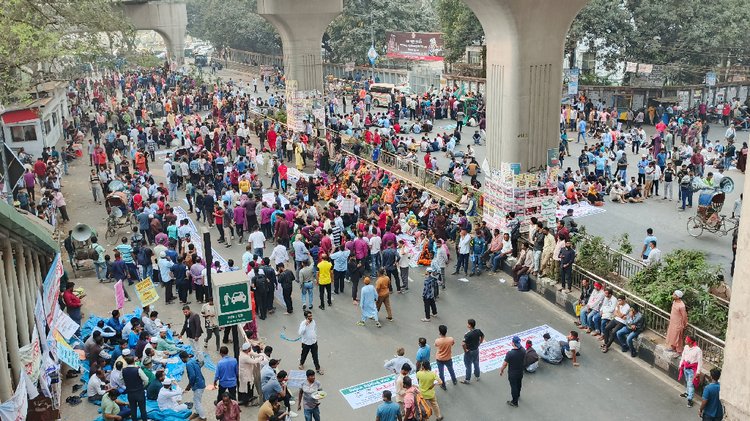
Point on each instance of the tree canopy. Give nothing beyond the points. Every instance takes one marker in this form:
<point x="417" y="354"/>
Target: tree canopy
<point x="351" y="32"/>
<point x="232" y="23"/>
<point x="460" y="27"/>
<point x="41" y="37"/>
<point x="688" y="37"/>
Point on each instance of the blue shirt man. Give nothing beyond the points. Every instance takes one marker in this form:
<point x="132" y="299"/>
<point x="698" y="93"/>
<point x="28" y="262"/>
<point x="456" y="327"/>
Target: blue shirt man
<point x="196" y="381"/>
<point x="339" y="259"/>
<point x="711" y="408"/>
<point x="423" y="353"/>
<point x="647" y="243"/>
<point x="388" y="410"/>
<point x="226" y="370"/>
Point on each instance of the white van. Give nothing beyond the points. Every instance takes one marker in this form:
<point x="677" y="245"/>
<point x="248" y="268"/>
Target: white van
<point x="381" y="93"/>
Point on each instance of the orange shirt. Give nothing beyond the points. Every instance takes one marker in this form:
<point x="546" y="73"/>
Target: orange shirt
<point x="381" y="286"/>
<point x="443" y="348"/>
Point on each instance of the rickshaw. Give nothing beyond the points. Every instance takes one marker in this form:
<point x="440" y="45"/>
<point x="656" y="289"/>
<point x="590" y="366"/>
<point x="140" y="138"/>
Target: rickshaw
<point x="710" y="202"/>
<point x="118" y="213"/>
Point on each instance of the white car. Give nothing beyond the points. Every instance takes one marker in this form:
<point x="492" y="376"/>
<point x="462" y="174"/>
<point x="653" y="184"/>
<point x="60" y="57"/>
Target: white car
<point x="239" y="297"/>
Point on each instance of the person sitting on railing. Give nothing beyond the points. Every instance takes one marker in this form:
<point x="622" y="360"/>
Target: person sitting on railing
<point x="613" y="326"/>
<point x="634" y="325"/>
<point x="590" y="310"/>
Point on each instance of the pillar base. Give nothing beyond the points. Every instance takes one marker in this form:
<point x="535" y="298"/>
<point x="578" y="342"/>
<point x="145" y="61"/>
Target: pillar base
<point x="733" y="413"/>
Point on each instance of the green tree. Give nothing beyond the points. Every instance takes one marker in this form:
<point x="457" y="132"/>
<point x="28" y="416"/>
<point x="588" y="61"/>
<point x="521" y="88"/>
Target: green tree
<point x="604" y="25"/>
<point x="232" y="23"/>
<point x="41" y="38"/>
<point x="460" y="27"/>
<point x="694" y="37"/>
<point x="352" y="32"/>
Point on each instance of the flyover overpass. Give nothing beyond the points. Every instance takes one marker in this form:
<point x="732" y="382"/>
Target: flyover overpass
<point x="167" y="18"/>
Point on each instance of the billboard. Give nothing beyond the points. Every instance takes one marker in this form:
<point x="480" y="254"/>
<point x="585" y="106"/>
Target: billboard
<point x="415" y="45"/>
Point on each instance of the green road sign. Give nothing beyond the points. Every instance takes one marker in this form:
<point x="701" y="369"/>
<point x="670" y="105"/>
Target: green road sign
<point x="233" y="298"/>
<point x="234" y="304"/>
<point x="235" y="318"/>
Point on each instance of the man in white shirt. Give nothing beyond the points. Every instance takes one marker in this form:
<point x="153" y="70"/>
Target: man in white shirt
<point x="654" y="256"/>
<point x="258" y="241"/>
<point x="96" y="387"/>
<point x="170" y="398"/>
<point x="505" y="251"/>
<point x="375" y="257"/>
<point x="464" y="242"/>
<point x="571" y="348"/>
<point x="309" y="339"/>
<point x="280" y="255"/>
<point x="606" y="312"/>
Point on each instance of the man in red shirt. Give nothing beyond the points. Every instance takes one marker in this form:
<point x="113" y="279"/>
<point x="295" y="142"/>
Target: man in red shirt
<point x="72" y="304"/>
<point x="271" y="139"/>
<point x="283" y="175"/>
<point x="40" y="169"/>
<point x="219" y="221"/>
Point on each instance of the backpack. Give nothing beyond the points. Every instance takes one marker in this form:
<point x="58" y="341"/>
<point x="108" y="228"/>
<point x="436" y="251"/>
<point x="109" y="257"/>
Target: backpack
<point x="422" y="409"/>
<point x="173" y="177"/>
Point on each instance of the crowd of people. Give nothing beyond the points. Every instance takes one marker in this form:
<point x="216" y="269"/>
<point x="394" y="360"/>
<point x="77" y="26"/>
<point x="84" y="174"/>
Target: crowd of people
<point x="611" y="144"/>
<point x="333" y="222"/>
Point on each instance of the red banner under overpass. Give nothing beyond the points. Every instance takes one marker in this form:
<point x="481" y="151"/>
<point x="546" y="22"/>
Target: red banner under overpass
<point x="426" y="46"/>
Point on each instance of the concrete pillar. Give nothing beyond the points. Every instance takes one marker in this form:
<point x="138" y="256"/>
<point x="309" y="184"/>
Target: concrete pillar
<point x="525" y="43"/>
<point x="24" y="280"/>
<point x="9" y="315"/>
<point x="301" y="25"/>
<point x="6" y="382"/>
<point x="735" y="388"/>
<point x="169" y="19"/>
<point x="14" y="293"/>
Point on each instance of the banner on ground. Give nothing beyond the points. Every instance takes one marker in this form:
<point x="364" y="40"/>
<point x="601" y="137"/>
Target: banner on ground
<point x="146" y="292"/>
<point x="52" y="288"/>
<point x="426" y="46"/>
<point x="491" y="357"/>
<point x="197" y="239"/>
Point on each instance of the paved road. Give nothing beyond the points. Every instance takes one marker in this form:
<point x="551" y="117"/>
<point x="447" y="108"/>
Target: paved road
<point x="352" y="354"/>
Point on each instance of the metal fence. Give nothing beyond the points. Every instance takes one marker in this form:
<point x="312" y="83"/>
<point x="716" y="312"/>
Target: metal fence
<point x="657" y="320"/>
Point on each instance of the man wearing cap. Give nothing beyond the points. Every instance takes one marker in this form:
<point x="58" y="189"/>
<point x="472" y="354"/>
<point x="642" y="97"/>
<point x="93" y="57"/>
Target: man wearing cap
<point x="164" y="344"/>
<point x="678" y="320"/>
<point x="170" y="398"/>
<point x="591" y="309"/>
<point x="197" y="383"/>
<point x="165" y="271"/>
<point x="514" y="362"/>
<point x="249" y="363"/>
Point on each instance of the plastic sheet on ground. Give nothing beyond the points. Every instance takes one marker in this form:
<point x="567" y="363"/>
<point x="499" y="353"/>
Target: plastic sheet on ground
<point x="156" y="414"/>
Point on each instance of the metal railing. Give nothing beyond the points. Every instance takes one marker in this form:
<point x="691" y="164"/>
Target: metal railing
<point x="444" y="186"/>
<point x="657" y="320"/>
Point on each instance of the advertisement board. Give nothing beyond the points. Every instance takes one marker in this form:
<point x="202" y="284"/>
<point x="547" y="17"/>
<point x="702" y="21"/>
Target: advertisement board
<point x="415" y="45"/>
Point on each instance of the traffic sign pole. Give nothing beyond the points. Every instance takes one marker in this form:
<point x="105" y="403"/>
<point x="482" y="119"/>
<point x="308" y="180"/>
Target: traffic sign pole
<point x="208" y="258"/>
